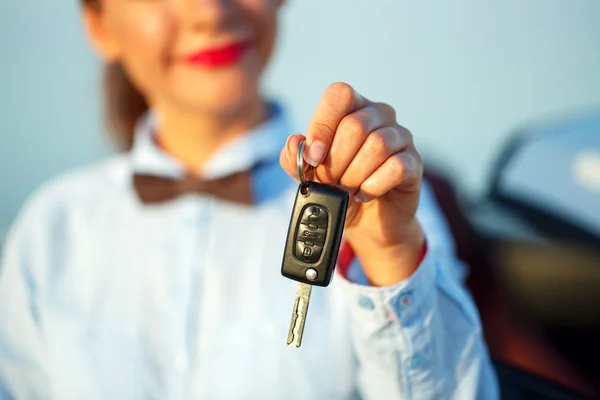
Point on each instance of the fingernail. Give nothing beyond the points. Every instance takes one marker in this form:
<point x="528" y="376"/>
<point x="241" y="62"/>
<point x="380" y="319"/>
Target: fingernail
<point x="359" y="198"/>
<point x="315" y="153"/>
<point x="362" y="198"/>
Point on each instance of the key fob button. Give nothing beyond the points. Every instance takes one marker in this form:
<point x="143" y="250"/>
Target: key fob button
<point x="308" y="254"/>
<point x="311" y="235"/>
<point x="314" y="215"/>
<point x="316" y="236"/>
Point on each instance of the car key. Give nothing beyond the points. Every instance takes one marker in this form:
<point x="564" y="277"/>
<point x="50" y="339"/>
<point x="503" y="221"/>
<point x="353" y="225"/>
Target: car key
<point x="313" y="242"/>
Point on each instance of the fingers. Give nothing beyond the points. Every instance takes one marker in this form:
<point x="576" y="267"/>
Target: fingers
<point x="376" y="149"/>
<point x="287" y="157"/>
<point x="350" y="135"/>
<point x="338" y="100"/>
<point x="385" y="161"/>
<point x="402" y="170"/>
<point x="356" y="145"/>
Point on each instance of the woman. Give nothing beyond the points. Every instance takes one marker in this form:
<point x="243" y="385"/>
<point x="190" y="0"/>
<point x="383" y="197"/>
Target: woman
<point x="155" y="274"/>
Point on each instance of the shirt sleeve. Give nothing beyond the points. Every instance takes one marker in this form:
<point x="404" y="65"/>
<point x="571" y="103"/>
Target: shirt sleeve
<point x="422" y="338"/>
<point x="23" y="356"/>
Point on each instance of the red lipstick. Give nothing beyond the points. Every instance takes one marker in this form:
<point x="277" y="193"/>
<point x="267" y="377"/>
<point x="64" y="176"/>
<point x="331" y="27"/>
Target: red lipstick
<point x="218" y="56"/>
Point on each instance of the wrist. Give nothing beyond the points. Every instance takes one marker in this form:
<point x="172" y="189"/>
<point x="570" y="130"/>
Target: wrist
<point x="386" y="264"/>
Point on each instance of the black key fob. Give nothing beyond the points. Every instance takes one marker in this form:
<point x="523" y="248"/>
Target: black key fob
<point x="315" y="233"/>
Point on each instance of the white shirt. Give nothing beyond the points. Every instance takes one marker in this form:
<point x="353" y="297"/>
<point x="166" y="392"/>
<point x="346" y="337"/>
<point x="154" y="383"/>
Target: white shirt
<point x="103" y="297"/>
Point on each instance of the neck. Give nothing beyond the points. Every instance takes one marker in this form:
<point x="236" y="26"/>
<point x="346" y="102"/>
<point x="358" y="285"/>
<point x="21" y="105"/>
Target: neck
<point x="193" y="137"/>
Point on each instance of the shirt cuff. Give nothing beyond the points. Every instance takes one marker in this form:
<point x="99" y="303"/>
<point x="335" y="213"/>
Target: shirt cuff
<point x="388" y="303"/>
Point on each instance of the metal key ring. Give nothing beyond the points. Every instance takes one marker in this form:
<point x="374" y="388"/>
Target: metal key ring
<point x="302" y="168"/>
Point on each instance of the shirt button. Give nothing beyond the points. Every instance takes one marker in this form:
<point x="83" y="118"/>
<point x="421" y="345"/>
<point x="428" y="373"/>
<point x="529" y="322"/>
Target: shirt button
<point x="366" y="303"/>
<point x="181" y="363"/>
<point x="416" y="361"/>
<point x="406" y="299"/>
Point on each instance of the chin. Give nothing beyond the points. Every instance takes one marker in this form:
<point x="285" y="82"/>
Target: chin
<point x="224" y="92"/>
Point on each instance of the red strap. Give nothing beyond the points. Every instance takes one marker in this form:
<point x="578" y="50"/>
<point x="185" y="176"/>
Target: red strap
<point x="345" y="257"/>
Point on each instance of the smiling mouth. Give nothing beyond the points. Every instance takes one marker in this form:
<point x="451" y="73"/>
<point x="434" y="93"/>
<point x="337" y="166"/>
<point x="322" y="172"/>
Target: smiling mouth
<point x="218" y="56"/>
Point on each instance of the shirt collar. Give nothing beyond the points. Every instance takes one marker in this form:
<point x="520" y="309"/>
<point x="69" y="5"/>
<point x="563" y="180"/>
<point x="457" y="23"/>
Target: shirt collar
<point x="261" y="144"/>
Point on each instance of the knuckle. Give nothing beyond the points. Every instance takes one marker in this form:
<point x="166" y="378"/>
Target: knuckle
<point x="387" y="110"/>
<point x="419" y="160"/>
<point x="417" y="175"/>
<point x="407" y="134"/>
<point x="398" y="168"/>
<point x="353" y="125"/>
<point x="340" y="93"/>
<point x="378" y="143"/>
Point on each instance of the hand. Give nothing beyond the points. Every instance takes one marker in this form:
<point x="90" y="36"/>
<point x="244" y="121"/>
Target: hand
<point x="357" y="145"/>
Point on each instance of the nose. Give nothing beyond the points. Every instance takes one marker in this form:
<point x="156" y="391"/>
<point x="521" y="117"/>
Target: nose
<point x="206" y="13"/>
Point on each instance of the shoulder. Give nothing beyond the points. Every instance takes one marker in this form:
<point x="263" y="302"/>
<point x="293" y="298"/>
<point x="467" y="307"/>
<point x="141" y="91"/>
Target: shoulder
<point x="107" y="176"/>
<point x="76" y="192"/>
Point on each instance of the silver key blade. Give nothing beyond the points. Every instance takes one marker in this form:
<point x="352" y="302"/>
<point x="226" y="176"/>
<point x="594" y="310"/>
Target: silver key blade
<point x="299" y="314"/>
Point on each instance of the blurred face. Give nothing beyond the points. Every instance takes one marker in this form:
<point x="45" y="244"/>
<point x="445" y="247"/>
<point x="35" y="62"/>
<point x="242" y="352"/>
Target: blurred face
<point x="198" y="55"/>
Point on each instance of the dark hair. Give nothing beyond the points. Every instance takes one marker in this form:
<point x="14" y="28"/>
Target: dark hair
<point x="123" y="103"/>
